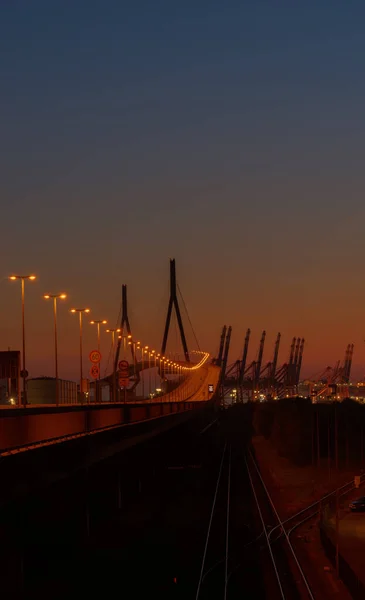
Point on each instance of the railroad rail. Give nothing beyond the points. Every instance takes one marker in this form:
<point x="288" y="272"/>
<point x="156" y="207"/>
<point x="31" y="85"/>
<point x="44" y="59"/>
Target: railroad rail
<point x="218" y="553"/>
<point x="276" y="563"/>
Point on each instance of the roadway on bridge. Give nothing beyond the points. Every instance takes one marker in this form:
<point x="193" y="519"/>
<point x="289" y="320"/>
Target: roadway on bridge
<point x="195" y="387"/>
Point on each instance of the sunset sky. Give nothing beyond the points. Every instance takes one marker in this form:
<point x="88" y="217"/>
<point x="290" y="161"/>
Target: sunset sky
<point x="229" y="136"/>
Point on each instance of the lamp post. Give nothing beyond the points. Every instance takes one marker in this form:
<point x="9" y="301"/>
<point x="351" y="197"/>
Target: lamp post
<point x="80" y="312"/>
<point x="154" y="374"/>
<point x="162" y="371"/>
<point x="150" y="354"/>
<point x="135" y="346"/>
<point x="113" y="332"/>
<point x="22" y="279"/>
<point x="98" y="322"/>
<point x="55" y="297"/>
<point x="144" y="351"/>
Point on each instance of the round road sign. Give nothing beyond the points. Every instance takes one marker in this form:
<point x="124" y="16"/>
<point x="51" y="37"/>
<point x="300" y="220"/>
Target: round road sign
<point x="95" y="356"/>
<point x="123" y="365"/>
<point x="94" y="371"/>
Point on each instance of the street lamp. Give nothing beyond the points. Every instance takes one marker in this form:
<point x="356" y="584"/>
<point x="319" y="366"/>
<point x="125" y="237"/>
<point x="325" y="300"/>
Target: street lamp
<point x="135" y="347"/>
<point x="98" y="322"/>
<point x="22" y="279"/>
<point x="55" y="297"/>
<point x="80" y="311"/>
<point x="113" y="332"/>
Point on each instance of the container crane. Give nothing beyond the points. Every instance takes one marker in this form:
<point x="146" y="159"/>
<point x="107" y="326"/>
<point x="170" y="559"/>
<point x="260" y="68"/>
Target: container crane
<point x="300" y="360"/>
<point x="259" y="361"/>
<point x="221" y="346"/>
<point x="243" y="362"/>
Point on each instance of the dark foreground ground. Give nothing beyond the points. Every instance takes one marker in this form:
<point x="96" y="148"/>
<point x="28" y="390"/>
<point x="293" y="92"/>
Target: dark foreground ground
<point x="136" y="524"/>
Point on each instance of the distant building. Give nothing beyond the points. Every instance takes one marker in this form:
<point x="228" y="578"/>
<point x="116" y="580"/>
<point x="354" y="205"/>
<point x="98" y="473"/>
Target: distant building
<point x="339" y="391"/>
<point x="9" y="376"/>
<point x="42" y="390"/>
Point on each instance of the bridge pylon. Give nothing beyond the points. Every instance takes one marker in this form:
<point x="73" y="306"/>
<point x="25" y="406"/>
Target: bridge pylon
<point x="173" y="302"/>
<point x="125" y="327"/>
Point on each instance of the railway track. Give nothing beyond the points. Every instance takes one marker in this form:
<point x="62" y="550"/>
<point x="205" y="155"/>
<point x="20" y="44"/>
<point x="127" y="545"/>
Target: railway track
<point x="291" y="581"/>
<point x="230" y="565"/>
<point x="233" y="555"/>
<point x="193" y="514"/>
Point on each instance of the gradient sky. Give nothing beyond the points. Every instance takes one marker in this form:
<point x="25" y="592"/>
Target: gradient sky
<point x="227" y="135"/>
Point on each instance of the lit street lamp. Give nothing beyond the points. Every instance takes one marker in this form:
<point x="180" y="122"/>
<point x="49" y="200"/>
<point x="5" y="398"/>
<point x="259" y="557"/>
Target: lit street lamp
<point x="55" y="297"/>
<point x="22" y="279"/>
<point x="98" y="322"/>
<point x="80" y="311"/>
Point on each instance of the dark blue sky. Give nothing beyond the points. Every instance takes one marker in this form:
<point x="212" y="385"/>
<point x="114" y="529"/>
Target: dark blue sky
<point x="227" y="135"/>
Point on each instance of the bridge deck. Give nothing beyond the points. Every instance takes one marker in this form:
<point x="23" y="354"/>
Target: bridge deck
<point x="22" y="428"/>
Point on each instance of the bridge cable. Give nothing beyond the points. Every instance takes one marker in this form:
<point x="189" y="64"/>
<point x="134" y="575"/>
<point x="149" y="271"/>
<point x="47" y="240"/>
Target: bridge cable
<point x="186" y="310"/>
<point x="176" y="346"/>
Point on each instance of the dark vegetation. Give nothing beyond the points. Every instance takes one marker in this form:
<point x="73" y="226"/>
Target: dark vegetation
<point x="306" y="433"/>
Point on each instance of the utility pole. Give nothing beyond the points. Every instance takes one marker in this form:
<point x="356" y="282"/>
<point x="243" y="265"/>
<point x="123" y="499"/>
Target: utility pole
<point x="318" y="446"/>
<point x="337" y="536"/>
<point x="225" y="359"/>
<point x="336" y="437"/>
<point x="329" y="445"/>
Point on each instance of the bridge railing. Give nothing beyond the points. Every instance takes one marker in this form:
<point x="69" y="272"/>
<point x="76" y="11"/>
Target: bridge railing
<point x="21" y="429"/>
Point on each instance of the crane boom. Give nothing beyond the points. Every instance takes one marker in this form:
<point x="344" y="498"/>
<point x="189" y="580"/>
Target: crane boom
<point x="221" y="345"/>
<point x="349" y="364"/>
<point x="225" y="354"/>
<point x="296" y="353"/>
<point x="292" y="351"/>
<point x="244" y="356"/>
<point x="275" y="359"/>
<point x="300" y="360"/>
<point x="259" y="360"/>
<point x="345" y="363"/>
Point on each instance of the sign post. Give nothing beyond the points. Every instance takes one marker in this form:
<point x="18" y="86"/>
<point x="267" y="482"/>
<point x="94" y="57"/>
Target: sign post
<point x="95" y="359"/>
<point x="123" y="376"/>
<point x="94" y="371"/>
<point x="95" y="356"/>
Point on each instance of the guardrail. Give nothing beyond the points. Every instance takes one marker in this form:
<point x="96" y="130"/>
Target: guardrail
<point x="21" y="428"/>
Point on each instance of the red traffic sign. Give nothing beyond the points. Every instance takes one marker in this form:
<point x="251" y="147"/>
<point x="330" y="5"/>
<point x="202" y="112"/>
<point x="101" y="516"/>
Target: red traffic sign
<point x="123" y="365"/>
<point x="94" y="371"/>
<point x="124" y="381"/>
<point x="95" y="356"/>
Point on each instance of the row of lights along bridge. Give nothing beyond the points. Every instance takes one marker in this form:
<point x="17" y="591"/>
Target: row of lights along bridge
<point x="146" y="352"/>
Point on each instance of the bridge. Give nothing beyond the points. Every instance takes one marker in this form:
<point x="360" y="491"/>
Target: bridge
<point x="107" y="480"/>
<point x="186" y="386"/>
